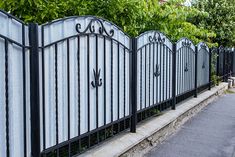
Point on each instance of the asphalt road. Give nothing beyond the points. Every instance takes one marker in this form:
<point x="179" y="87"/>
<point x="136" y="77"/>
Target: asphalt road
<point x="211" y="133"/>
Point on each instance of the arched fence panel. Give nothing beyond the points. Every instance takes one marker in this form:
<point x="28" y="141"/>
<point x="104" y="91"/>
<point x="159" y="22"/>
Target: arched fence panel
<point x="14" y="87"/>
<point x="185" y="68"/>
<point x="84" y="84"/>
<point x="203" y="61"/>
<point x="154" y="71"/>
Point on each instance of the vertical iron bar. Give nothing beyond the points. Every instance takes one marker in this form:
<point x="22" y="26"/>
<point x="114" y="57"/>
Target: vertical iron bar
<point x="210" y="55"/>
<point x="34" y="91"/>
<point x="134" y="86"/>
<point x="157" y="80"/>
<point x="43" y="91"/>
<point x="163" y="72"/>
<point x="181" y="70"/>
<point x="224" y="67"/>
<point x="104" y="80"/>
<point x="7" y="99"/>
<point x="68" y="89"/>
<point x="97" y="70"/>
<point x="173" y="76"/>
<point x="167" y="73"/>
<point x="141" y="70"/>
<point x="24" y="91"/>
<point x="112" y="81"/>
<point x="78" y="60"/>
<point x="149" y="72"/>
<point x="217" y="66"/>
<point x="88" y="82"/>
<point x="88" y="87"/>
<point x="153" y="69"/>
<point x="118" y="94"/>
<point x="145" y="69"/>
<point x="124" y="82"/>
<point x="190" y="69"/>
<point x="56" y="96"/>
<point x="196" y="63"/>
<point x="97" y="90"/>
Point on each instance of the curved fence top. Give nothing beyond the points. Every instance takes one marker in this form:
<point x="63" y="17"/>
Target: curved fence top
<point x="11" y="16"/>
<point x="81" y="25"/>
<point x="203" y="46"/>
<point x="153" y="37"/>
<point x="13" y="29"/>
<point x="185" y="42"/>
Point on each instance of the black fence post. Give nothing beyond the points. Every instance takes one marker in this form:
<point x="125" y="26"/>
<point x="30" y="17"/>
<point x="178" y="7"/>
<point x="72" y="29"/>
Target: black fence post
<point x="217" y="66"/>
<point x="196" y="53"/>
<point x="232" y="62"/>
<point x="173" y="76"/>
<point x="210" y="55"/>
<point x="224" y="66"/>
<point x="134" y="86"/>
<point x="34" y="90"/>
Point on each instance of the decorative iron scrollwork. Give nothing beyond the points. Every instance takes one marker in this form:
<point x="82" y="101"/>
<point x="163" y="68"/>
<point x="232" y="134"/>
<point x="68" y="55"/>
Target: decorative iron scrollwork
<point x="186" y="43"/>
<point x="203" y="65"/>
<point x="203" y="46"/>
<point x="98" y="80"/>
<point x="157" y="72"/>
<point x="156" y="38"/>
<point x="91" y="28"/>
<point x="186" y="67"/>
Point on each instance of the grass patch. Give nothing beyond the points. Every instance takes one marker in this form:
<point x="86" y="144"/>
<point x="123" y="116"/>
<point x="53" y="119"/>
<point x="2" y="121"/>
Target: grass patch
<point x="229" y="91"/>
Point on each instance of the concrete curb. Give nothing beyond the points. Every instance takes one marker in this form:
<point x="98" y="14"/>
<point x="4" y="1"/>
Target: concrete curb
<point x="154" y="131"/>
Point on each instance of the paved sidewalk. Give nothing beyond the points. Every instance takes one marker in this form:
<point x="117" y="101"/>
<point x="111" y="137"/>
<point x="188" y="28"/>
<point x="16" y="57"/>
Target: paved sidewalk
<point x="211" y="133"/>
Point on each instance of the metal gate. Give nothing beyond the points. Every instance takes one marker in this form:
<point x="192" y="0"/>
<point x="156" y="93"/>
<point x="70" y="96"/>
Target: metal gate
<point x="203" y="70"/>
<point x="84" y="84"/>
<point x="185" y="68"/>
<point x="154" y="72"/>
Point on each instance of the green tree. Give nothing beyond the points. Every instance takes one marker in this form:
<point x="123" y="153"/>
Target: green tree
<point x="133" y="16"/>
<point x="174" y="19"/>
<point x="220" y="19"/>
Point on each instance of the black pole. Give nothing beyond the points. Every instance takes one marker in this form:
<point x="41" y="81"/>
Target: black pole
<point x="232" y="62"/>
<point x="173" y="77"/>
<point x="224" y="66"/>
<point x="210" y="55"/>
<point x="217" y="66"/>
<point x="134" y="86"/>
<point x="196" y="53"/>
<point x="34" y="90"/>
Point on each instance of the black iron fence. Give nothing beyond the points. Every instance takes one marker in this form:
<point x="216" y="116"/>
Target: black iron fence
<point x="70" y="84"/>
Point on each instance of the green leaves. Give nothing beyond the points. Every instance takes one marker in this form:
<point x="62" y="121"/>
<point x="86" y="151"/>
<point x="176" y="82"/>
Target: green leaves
<point x="221" y="19"/>
<point x="133" y="16"/>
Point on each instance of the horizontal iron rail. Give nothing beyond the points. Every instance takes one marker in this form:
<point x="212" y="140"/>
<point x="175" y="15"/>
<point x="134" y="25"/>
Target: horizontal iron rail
<point x="14" y="42"/>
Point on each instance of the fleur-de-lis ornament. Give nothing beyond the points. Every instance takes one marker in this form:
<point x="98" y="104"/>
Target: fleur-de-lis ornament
<point x="186" y="68"/>
<point x="157" y="72"/>
<point x="98" y="80"/>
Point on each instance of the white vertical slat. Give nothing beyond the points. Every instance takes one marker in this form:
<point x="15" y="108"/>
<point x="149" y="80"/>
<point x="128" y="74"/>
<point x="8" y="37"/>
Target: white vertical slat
<point x="83" y="85"/>
<point x="2" y="99"/>
<point x="160" y="50"/>
<point x="101" y="89"/>
<point x="108" y="81"/>
<point x="73" y="84"/>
